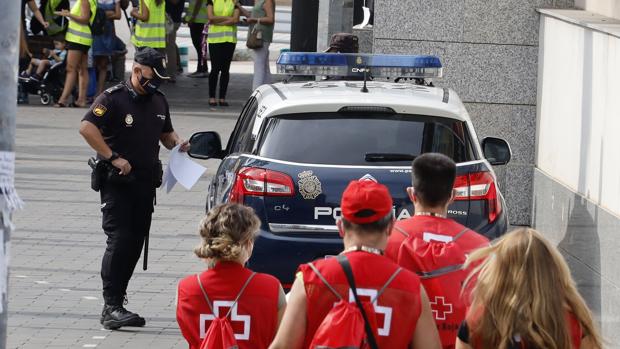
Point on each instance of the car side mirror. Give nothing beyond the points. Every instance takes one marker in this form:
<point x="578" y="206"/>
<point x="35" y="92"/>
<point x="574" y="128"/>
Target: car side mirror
<point x="496" y="150"/>
<point x="205" y="145"/>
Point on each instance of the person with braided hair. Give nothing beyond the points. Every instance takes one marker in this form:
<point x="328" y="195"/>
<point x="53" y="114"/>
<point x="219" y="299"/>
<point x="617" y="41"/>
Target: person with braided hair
<point x="227" y="240"/>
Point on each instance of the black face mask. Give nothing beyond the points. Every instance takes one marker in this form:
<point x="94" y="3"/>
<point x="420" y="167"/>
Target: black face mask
<point x="150" y="86"/>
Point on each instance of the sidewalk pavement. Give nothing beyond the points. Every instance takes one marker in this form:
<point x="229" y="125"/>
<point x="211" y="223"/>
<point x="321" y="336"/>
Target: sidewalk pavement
<point x="55" y="287"/>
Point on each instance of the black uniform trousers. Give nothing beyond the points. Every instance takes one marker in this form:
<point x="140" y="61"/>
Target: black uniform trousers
<point x="127" y="210"/>
<point x="221" y="56"/>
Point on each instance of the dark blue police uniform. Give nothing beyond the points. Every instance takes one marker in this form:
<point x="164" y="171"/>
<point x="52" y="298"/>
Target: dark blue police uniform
<point x="131" y="125"/>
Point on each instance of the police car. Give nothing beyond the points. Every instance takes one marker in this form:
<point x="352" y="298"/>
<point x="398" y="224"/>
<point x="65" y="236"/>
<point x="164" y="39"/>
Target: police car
<point x="296" y="146"/>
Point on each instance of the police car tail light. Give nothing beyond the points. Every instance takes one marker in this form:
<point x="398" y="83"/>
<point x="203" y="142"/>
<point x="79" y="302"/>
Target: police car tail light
<point x="252" y="181"/>
<point x="479" y="186"/>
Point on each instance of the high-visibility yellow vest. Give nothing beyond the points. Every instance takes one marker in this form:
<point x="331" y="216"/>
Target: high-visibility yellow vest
<point x="201" y="16"/>
<point x="151" y="33"/>
<point x="222" y="33"/>
<point x="77" y="32"/>
<point x="50" y="17"/>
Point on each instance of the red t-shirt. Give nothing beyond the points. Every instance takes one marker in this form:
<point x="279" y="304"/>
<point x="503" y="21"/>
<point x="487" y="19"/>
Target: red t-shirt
<point x="397" y="309"/>
<point x="418" y="225"/>
<point x="576" y="332"/>
<point x="255" y="320"/>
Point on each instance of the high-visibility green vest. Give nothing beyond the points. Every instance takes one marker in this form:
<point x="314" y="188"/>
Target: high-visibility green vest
<point x="222" y="33"/>
<point x="151" y="33"/>
<point x="50" y="17"/>
<point x="80" y="33"/>
<point x="201" y="16"/>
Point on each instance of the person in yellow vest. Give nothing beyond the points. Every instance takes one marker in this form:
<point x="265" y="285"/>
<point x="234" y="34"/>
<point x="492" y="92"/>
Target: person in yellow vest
<point x="222" y="39"/>
<point x="79" y="40"/>
<point x="150" y="29"/>
<point x="57" y="24"/>
<point x="196" y="18"/>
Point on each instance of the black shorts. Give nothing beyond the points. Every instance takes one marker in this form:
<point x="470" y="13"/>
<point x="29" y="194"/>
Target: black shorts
<point x="78" y="47"/>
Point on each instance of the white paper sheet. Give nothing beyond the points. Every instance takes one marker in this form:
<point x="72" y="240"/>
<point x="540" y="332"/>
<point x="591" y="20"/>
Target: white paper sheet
<point x="181" y="169"/>
<point x="9" y="200"/>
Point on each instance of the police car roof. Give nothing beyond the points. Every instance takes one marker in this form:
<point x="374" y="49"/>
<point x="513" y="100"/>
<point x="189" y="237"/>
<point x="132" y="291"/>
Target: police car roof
<point x="330" y="96"/>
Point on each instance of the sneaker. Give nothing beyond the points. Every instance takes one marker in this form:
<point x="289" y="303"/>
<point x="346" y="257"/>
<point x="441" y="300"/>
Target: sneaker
<point x="116" y="316"/>
<point x="198" y="74"/>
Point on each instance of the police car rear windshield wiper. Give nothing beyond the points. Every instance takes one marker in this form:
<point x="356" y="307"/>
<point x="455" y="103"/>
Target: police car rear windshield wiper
<point x="377" y="157"/>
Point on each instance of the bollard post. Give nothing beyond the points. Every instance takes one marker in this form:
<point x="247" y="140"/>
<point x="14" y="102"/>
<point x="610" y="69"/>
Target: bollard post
<point x="184" y="57"/>
<point x="9" y="201"/>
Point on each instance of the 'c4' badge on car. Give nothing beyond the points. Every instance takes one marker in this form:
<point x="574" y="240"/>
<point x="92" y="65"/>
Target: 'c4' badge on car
<point x="129" y="120"/>
<point x="309" y="185"/>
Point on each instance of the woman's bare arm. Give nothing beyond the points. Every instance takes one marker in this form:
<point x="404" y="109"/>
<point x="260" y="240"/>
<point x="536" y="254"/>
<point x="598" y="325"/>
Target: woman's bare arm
<point x="116" y="14"/>
<point x="142" y="13"/>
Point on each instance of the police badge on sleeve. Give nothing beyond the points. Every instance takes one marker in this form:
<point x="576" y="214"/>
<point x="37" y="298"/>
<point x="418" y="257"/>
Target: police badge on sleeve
<point x="309" y="185"/>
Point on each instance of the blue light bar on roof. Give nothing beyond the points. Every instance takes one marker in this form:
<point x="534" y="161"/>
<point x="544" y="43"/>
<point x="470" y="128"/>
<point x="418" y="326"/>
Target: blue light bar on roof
<point x="354" y="65"/>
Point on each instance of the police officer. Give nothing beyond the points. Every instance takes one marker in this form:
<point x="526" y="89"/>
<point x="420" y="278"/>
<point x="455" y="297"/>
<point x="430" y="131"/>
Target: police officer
<point x="124" y="126"/>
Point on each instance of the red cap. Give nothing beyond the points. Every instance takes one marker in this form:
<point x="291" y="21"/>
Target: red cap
<point x="365" y="201"/>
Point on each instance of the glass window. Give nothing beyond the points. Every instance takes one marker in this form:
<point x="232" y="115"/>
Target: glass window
<point x="332" y="138"/>
<point x="243" y="133"/>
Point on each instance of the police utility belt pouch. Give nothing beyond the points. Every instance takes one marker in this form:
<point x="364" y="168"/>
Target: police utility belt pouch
<point x="255" y="38"/>
<point x="346" y="267"/>
<point x="104" y="172"/>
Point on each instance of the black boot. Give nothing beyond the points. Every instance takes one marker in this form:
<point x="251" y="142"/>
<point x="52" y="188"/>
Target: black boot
<point x="116" y="316"/>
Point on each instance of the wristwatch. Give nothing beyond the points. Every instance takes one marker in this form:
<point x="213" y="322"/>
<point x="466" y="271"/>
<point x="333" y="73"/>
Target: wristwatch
<point x="114" y="156"/>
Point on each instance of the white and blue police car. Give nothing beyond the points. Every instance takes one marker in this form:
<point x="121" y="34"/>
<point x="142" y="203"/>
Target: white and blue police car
<point x="296" y="146"/>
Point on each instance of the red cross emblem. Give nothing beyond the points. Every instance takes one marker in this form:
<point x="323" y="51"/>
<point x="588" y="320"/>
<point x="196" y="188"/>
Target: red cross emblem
<point x="440" y="308"/>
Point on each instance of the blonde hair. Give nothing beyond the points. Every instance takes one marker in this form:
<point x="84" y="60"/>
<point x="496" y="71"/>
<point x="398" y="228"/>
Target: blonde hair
<point x="225" y="230"/>
<point x="524" y="287"/>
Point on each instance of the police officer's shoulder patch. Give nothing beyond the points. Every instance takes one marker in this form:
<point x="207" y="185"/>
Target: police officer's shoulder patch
<point x="114" y="88"/>
<point x="99" y="109"/>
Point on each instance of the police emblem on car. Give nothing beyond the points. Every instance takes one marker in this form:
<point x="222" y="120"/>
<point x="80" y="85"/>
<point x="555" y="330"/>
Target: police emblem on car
<point x="309" y="185"/>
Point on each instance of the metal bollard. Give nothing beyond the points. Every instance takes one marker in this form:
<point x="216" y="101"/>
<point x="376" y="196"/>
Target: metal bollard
<point x="184" y="56"/>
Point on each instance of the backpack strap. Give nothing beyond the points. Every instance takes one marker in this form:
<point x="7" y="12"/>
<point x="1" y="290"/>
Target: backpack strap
<point x="402" y="231"/>
<point x="438" y="272"/>
<point x="461" y="233"/>
<point x="239" y="295"/>
<point x="396" y="272"/>
<point x="204" y="293"/>
<point x="346" y="267"/>
<point x="318" y="273"/>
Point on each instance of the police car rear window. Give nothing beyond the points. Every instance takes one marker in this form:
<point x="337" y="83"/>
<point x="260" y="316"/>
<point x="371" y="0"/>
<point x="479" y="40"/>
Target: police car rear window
<point x="337" y="139"/>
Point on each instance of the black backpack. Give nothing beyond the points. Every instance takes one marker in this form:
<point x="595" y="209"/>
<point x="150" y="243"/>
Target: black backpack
<point x="97" y="27"/>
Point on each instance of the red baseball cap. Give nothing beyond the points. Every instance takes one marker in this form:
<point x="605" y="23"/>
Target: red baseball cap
<point x="365" y="201"/>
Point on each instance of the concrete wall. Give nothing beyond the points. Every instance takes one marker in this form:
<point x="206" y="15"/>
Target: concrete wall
<point x="579" y="110"/>
<point x="490" y="55"/>
<point x="577" y="177"/>
<point x="609" y="8"/>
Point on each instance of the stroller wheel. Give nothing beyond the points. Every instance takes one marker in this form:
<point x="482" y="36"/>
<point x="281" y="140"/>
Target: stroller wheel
<point x="46" y="98"/>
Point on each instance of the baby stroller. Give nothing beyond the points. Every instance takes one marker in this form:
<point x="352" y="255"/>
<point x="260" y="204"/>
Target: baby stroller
<point x="53" y="83"/>
<point x="49" y="88"/>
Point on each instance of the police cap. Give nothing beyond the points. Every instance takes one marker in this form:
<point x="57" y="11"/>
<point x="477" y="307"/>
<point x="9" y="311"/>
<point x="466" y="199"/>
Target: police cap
<point x="150" y="57"/>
